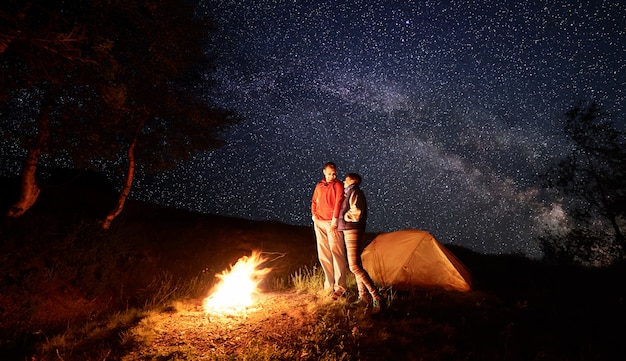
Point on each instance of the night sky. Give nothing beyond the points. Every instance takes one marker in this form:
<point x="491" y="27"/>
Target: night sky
<point x="449" y="112"/>
<point x="447" y="109"/>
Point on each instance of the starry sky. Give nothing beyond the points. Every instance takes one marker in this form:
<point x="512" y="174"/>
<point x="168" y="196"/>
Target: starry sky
<point x="449" y="110"/>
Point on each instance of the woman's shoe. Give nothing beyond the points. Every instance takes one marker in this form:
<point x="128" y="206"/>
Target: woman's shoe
<point x="359" y="303"/>
<point x="376" y="306"/>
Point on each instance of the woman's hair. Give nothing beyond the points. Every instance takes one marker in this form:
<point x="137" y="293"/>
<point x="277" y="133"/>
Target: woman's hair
<point x="355" y="177"/>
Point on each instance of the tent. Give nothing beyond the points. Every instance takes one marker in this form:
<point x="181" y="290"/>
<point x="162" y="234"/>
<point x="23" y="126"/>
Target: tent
<point x="413" y="257"/>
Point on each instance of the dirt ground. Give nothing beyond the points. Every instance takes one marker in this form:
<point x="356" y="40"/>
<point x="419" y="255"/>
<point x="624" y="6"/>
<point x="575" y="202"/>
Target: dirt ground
<point x="277" y="318"/>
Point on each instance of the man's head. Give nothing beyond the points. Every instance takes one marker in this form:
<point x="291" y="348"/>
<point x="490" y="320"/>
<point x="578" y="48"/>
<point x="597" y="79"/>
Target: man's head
<point x="330" y="172"/>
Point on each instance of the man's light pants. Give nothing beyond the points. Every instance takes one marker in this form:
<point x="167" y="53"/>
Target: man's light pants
<point x="331" y="252"/>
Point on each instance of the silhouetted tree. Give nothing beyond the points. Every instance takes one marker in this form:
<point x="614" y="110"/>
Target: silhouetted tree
<point x="590" y="180"/>
<point x="130" y="86"/>
<point x="44" y="53"/>
<point x="163" y="66"/>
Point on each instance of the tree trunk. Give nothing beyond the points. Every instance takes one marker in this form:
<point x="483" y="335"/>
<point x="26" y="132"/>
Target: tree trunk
<point x="106" y="224"/>
<point x="29" y="188"/>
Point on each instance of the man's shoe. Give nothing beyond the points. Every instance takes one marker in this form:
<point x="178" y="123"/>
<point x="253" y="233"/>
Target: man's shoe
<point x="335" y="295"/>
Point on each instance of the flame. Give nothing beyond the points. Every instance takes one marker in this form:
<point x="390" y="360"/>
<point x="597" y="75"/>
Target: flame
<point x="236" y="288"/>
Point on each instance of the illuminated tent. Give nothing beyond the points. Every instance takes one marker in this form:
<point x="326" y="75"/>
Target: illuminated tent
<point x="411" y="257"/>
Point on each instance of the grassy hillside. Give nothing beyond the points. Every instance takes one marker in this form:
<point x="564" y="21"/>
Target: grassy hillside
<point x="60" y="272"/>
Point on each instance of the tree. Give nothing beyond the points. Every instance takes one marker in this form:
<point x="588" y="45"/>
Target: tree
<point x="142" y="96"/>
<point x="591" y="182"/>
<point x="44" y="51"/>
<point x="164" y="70"/>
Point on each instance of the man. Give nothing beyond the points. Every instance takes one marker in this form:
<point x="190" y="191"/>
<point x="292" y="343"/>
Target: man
<point x="331" y="250"/>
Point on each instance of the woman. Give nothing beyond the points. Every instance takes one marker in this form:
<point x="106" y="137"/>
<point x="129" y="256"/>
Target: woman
<point x="352" y="220"/>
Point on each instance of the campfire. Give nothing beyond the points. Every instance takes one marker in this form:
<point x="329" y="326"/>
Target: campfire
<point x="235" y="290"/>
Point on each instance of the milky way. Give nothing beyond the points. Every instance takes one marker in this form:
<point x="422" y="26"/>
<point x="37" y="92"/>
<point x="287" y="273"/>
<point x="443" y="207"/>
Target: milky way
<point x="449" y="112"/>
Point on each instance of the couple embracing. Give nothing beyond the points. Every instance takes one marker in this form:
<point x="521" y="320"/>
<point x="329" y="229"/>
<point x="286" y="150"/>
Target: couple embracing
<point x="339" y="212"/>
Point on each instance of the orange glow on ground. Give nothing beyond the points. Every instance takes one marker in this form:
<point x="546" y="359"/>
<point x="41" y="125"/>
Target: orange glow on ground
<point x="235" y="291"/>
